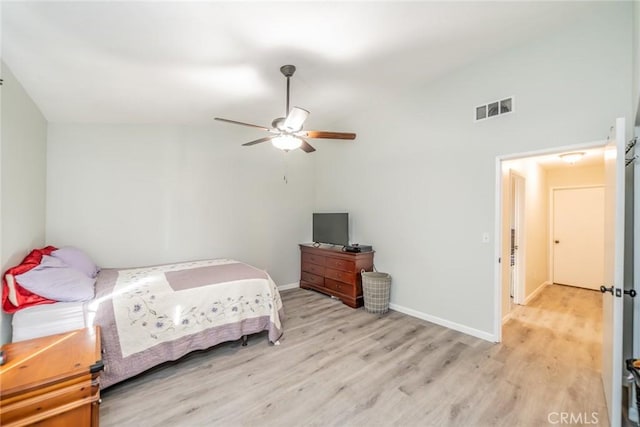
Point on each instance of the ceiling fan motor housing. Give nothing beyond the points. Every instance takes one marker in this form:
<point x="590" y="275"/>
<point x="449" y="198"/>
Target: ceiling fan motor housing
<point x="288" y="70"/>
<point x="278" y="123"/>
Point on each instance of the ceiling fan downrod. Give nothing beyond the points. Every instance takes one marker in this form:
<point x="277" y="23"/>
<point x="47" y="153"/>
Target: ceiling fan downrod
<point x="287" y="71"/>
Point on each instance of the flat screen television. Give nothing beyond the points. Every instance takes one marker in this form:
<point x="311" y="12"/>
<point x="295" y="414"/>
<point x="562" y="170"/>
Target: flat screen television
<point x="331" y="228"/>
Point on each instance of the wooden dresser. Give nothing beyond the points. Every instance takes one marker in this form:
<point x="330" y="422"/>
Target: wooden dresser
<point x="52" y="381"/>
<point x="329" y="270"/>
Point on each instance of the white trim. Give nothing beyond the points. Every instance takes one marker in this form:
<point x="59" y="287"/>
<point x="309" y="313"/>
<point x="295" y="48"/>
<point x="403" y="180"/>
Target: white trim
<point x="507" y="317"/>
<point x="497" y="250"/>
<point x="535" y="293"/>
<point x="287" y="286"/>
<point x="518" y="222"/>
<point x="553" y="150"/>
<point x="443" y="322"/>
<point x="633" y="411"/>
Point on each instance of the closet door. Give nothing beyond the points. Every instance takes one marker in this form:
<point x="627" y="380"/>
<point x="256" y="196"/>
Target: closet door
<point x="578" y="237"/>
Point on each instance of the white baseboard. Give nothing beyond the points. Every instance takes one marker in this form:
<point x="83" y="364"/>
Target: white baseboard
<point x="446" y="323"/>
<point x="286" y="286"/>
<point x="508" y="316"/>
<point x="536" y="292"/>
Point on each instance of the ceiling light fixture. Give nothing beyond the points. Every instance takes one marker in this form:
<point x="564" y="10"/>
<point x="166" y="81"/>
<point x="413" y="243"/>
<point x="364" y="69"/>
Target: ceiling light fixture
<point x="571" y="158"/>
<point x="286" y="142"/>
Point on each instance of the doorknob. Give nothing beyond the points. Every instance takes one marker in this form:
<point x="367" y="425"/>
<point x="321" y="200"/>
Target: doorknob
<point x="604" y="290"/>
<point x="557" y="241"/>
<point x="631" y="292"/>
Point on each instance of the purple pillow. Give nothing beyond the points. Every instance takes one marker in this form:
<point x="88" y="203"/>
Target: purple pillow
<point x="77" y="259"/>
<point x="55" y="280"/>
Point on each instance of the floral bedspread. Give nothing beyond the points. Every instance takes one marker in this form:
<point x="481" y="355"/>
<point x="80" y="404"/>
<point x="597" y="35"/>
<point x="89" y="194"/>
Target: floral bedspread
<point x="158" y="304"/>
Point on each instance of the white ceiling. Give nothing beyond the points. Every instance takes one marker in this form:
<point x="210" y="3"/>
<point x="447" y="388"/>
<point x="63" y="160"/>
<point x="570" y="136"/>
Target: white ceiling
<point x="180" y="62"/>
<point x="591" y="157"/>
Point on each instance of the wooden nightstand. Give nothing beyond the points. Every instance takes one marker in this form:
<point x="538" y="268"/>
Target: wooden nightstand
<point x="53" y="380"/>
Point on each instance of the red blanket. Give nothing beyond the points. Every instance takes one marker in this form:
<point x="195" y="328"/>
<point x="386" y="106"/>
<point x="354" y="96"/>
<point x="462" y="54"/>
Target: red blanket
<point x="23" y="296"/>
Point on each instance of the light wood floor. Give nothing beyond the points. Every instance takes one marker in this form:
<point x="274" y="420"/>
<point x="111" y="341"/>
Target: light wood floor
<point x="339" y="366"/>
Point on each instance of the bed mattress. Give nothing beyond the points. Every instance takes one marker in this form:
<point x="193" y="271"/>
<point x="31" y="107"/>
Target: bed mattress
<point x="48" y="319"/>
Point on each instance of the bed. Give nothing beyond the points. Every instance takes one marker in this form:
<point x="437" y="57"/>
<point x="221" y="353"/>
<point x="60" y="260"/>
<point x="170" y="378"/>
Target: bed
<point x="151" y="315"/>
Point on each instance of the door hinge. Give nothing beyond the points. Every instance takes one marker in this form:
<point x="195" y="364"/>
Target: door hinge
<point x="619" y="292"/>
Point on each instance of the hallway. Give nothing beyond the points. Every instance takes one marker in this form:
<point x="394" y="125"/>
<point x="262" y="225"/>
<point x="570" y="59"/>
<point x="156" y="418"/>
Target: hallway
<point x="559" y="334"/>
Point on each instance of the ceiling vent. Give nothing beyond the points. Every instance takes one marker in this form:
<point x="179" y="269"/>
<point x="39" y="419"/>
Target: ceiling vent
<point x="494" y="109"/>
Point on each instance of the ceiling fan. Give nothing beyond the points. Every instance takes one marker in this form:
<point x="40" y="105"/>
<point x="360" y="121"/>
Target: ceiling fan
<point x="287" y="131"/>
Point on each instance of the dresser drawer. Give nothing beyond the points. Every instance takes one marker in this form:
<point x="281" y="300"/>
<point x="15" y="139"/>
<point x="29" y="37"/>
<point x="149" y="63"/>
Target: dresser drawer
<point x="313" y="259"/>
<point x="50" y="402"/>
<point x="340" y="264"/>
<point x="340" y="287"/>
<point x="313" y="268"/>
<point x="312" y="278"/>
<point x="341" y="276"/>
<point x="331" y="271"/>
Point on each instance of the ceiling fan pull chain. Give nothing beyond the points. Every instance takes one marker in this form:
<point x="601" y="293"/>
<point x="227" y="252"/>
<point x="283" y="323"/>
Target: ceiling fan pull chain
<point x="285" y="167"/>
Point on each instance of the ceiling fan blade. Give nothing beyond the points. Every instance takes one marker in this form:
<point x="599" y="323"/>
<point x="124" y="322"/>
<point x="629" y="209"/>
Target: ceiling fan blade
<point x="306" y="147"/>
<point x="242" y="123"/>
<point x="328" y="135"/>
<point x="258" y="141"/>
<point x="295" y="119"/>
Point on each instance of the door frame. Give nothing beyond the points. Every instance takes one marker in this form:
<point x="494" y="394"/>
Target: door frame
<point x="517" y="185"/>
<point x="552" y="222"/>
<point x="498" y="220"/>
<point x="633" y="410"/>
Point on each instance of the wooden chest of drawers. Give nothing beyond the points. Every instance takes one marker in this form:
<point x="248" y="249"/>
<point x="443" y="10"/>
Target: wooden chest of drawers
<point x="331" y="271"/>
<point x="52" y="381"/>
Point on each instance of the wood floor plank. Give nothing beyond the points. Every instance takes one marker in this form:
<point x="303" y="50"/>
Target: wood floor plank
<point x="340" y="366"/>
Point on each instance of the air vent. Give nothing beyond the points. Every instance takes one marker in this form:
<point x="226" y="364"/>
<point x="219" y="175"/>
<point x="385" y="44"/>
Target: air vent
<point x="494" y="109"/>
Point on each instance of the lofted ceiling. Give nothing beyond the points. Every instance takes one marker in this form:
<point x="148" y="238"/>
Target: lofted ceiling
<point x="186" y="62"/>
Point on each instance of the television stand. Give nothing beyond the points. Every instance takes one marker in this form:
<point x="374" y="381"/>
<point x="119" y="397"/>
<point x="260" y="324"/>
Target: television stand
<point x="329" y="270"/>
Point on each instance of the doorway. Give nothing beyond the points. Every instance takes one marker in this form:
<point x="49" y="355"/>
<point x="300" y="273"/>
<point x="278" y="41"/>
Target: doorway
<point x="541" y="171"/>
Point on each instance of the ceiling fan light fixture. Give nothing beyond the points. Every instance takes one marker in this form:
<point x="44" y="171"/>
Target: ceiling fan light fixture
<point x="286" y="142"/>
<point x="572" y="158"/>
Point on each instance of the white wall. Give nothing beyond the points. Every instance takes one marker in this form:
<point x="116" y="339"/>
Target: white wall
<point x="145" y="194"/>
<point x="535" y="237"/>
<point x="419" y="181"/>
<point x="576" y="176"/>
<point x="22" y="178"/>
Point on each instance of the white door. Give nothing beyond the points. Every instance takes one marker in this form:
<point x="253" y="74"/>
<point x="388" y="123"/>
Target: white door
<point x="613" y="272"/>
<point x="578" y="237"/>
